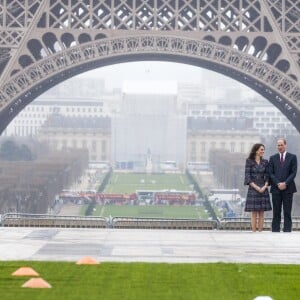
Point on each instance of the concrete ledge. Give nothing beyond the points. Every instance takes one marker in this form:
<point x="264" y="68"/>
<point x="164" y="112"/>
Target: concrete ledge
<point x="137" y="245"/>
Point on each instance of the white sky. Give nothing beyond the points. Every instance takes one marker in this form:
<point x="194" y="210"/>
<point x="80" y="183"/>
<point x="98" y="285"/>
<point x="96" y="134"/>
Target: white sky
<point x="115" y="75"/>
<point x="146" y="87"/>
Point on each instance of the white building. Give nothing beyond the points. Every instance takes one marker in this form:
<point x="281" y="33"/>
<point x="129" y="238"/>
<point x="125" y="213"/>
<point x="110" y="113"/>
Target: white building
<point x="201" y="142"/>
<point x="33" y="116"/>
<point x="265" y="118"/>
<point x="69" y="132"/>
<point x="268" y="120"/>
<point x="149" y="123"/>
<point x="77" y="97"/>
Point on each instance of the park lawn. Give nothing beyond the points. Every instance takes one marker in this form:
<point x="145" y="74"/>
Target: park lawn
<point x="130" y="281"/>
<point x="150" y="211"/>
<point x="126" y="183"/>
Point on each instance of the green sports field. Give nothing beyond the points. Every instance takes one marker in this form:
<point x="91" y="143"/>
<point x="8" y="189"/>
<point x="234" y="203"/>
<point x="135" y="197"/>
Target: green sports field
<point x="148" y="281"/>
<point x="126" y="183"/>
<point x="151" y="211"/>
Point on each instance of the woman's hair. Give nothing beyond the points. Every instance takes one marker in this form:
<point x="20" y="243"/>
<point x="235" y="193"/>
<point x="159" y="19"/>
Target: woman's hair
<point x="255" y="147"/>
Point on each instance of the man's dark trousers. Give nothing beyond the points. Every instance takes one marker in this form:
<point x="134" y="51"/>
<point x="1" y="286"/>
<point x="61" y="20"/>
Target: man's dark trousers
<point x="284" y="200"/>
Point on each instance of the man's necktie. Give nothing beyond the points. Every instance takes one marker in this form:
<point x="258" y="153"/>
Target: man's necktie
<point x="281" y="159"/>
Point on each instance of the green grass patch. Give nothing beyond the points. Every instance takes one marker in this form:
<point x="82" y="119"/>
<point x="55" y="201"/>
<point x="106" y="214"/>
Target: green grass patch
<point x="130" y="182"/>
<point x="130" y="281"/>
<point x="151" y="211"/>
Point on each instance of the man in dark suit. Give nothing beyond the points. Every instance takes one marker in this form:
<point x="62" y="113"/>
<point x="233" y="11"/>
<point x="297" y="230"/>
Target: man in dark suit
<point x="283" y="170"/>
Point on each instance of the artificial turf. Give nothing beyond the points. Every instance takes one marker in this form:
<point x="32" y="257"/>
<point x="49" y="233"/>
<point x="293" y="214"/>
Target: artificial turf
<point x="109" y="281"/>
<point x="150" y="211"/>
<point x="131" y="182"/>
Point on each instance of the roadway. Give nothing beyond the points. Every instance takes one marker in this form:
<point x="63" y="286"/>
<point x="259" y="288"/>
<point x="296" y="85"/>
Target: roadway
<point x="137" y="245"/>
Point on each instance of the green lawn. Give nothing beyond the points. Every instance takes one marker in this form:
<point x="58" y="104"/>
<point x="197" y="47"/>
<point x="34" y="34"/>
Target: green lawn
<point x="151" y="211"/>
<point x="130" y="281"/>
<point x="130" y="182"/>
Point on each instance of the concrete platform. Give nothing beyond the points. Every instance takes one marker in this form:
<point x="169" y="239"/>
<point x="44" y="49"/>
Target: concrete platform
<point x="134" y="245"/>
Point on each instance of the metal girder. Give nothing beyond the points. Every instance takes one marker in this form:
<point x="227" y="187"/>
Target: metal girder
<point x="44" y="42"/>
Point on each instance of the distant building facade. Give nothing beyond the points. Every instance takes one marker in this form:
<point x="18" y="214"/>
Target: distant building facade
<point x="267" y="120"/>
<point x="33" y="117"/>
<point x="71" y="98"/>
<point x="149" y="123"/>
<point x="172" y="123"/>
<point x="91" y="133"/>
<point x="200" y="143"/>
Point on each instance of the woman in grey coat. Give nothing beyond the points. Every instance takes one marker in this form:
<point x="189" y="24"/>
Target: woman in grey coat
<point x="257" y="177"/>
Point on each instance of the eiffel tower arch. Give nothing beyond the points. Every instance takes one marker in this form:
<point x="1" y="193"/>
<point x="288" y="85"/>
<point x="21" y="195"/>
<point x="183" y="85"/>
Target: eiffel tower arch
<point x="44" y="42"/>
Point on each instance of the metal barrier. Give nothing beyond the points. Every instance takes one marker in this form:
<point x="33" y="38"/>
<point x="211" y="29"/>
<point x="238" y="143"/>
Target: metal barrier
<point x="157" y="223"/>
<point x="41" y="220"/>
<point x="245" y="224"/>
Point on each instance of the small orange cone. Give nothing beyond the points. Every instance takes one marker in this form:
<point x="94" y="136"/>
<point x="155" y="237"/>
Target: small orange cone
<point x="37" y="283"/>
<point x="25" y="271"/>
<point x="87" y="260"/>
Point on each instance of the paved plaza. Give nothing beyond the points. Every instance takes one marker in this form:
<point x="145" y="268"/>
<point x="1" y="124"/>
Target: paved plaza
<point x="134" y="245"/>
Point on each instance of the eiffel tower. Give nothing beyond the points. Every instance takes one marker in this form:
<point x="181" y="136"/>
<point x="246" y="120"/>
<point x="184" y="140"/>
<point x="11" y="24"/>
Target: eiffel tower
<point x="44" y="42"/>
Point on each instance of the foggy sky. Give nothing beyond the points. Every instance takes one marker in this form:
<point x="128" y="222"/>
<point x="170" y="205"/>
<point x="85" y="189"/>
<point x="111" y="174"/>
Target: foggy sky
<point x="115" y="75"/>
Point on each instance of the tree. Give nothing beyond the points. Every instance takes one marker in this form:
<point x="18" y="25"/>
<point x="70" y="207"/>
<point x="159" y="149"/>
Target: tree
<point x="10" y="151"/>
<point x="25" y="153"/>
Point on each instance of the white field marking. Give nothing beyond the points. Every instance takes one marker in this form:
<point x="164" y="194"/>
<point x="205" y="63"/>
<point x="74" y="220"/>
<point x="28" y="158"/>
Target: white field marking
<point x="181" y="179"/>
<point x="116" y="178"/>
<point x="198" y="213"/>
<point x="102" y="211"/>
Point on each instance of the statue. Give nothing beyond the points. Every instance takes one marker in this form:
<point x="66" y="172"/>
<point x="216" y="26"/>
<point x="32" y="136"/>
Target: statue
<point x="149" y="164"/>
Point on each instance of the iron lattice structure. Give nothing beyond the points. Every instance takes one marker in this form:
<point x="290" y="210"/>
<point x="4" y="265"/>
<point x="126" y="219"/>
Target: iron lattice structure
<point x="44" y="42"/>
